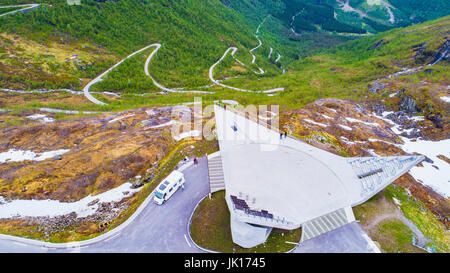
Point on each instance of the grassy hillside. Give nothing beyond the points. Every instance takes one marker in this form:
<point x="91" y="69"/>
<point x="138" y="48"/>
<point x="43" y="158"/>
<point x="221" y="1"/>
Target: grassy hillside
<point x="194" y="34"/>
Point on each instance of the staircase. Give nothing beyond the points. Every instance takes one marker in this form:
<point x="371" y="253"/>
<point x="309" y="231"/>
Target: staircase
<point x="215" y="171"/>
<point x="326" y="223"/>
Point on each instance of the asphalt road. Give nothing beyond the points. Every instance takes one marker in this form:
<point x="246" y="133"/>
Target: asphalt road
<point x="157" y="229"/>
<point x="350" y="238"/>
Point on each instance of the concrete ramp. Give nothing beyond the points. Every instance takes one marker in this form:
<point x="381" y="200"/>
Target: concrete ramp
<point x="326" y="223"/>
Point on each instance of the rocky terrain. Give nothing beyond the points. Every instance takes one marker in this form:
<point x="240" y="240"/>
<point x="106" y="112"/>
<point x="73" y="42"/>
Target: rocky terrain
<point x="103" y="152"/>
<point x="94" y="164"/>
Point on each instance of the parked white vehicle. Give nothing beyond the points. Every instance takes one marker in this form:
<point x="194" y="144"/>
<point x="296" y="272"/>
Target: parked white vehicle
<point x="168" y="187"/>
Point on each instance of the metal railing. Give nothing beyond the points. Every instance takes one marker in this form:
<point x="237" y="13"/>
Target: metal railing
<point x="267" y="220"/>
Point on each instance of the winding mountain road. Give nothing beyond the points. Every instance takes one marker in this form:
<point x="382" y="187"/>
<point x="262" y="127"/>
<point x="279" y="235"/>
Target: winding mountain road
<point x="147" y="63"/>
<point x="100" y="77"/>
<point x="211" y="76"/>
<point x="87" y="93"/>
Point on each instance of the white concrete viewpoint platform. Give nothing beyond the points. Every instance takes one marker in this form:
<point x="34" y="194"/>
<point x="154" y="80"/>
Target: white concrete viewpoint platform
<point x="284" y="183"/>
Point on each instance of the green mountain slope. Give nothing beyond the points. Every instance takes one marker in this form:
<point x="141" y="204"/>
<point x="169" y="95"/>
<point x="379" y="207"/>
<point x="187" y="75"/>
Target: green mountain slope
<point x="193" y="33"/>
<point x="346" y="16"/>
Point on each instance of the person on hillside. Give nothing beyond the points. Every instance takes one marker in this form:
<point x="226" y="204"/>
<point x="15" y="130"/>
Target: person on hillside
<point x="285" y="134"/>
<point x="281" y="135"/>
<point x="195" y="161"/>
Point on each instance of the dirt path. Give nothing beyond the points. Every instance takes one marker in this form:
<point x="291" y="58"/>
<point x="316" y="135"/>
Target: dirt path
<point x="395" y="213"/>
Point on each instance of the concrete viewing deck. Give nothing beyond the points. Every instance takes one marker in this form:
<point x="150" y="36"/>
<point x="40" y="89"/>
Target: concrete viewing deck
<point x="290" y="180"/>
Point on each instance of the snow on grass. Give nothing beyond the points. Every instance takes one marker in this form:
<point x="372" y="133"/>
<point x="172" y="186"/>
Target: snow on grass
<point x="379" y="140"/>
<point x="446" y="99"/>
<point x="327" y="117"/>
<point x="54" y="208"/>
<point x="345" y="127"/>
<point x="36" y="116"/>
<point x="119" y="118"/>
<point x="41" y="118"/>
<point x="417" y="118"/>
<point x="20" y="155"/>
<point x="164" y="124"/>
<point x="347" y="141"/>
<point x="371" y="152"/>
<point x="383" y="117"/>
<point x="315" y="123"/>
<point x="436" y="178"/>
<point x="150" y="112"/>
<point x="363" y="122"/>
<point x="193" y="133"/>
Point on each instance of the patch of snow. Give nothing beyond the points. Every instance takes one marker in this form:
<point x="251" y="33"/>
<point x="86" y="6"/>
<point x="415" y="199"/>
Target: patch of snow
<point x="347" y="141"/>
<point x="164" y="124"/>
<point x="41" y="118"/>
<point x="363" y="122"/>
<point x="446" y="99"/>
<point x="193" y="133"/>
<point x="345" y="127"/>
<point x="417" y="118"/>
<point x="327" y="117"/>
<point x="383" y="117"/>
<point x="371" y="152"/>
<point x="386" y="113"/>
<point x="36" y="116"/>
<point x="379" y="140"/>
<point x="119" y="118"/>
<point x="438" y="179"/>
<point x="397" y="202"/>
<point x="150" y="112"/>
<point x="54" y="208"/>
<point x="315" y="123"/>
<point x="20" y="155"/>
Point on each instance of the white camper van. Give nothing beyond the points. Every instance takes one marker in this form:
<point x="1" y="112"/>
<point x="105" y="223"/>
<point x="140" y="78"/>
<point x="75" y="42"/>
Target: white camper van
<point x="168" y="187"/>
